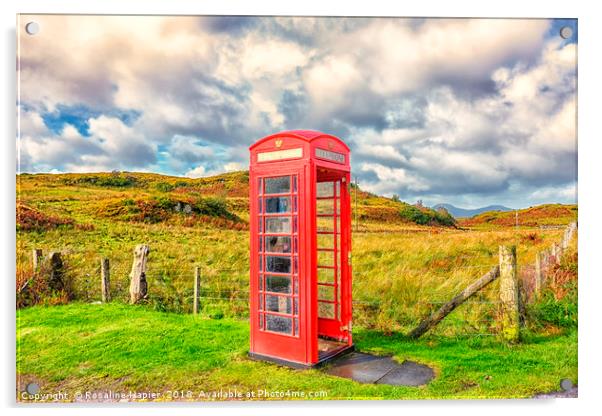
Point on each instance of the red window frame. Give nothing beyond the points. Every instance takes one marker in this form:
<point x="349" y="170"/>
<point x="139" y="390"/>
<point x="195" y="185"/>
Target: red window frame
<point x="293" y="254"/>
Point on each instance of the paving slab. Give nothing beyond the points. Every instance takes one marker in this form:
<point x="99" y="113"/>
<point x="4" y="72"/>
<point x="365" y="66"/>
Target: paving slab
<point x="408" y="373"/>
<point x="373" y="369"/>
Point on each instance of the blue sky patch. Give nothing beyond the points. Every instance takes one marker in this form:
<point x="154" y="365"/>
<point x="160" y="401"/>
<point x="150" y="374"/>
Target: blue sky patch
<point x="79" y="115"/>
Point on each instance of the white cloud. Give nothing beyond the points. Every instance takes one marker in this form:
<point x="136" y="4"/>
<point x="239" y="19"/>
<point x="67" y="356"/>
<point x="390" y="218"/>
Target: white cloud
<point x="189" y="149"/>
<point x="124" y="143"/>
<point x="111" y="145"/>
<point x="391" y="179"/>
<point x="197" y="172"/>
<point x="329" y="79"/>
<point x="554" y="194"/>
<point x="524" y="133"/>
<point x="30" y="123"/>
<point x="202" y="171"/>
<point x="233" y="166"/>
<point x="438" y="106"/>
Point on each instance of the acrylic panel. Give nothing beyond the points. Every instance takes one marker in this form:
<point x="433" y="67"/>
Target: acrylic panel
<point x="136" y="207"/>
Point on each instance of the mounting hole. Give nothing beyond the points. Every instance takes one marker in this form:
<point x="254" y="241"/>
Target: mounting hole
<point x="566" y="384"/>
<point x="566" y="32"/>
<point x="32" y="28"/>
<point x="32" y="388"/>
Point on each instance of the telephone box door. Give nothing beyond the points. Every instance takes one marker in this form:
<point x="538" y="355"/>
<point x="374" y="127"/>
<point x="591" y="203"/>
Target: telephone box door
<point x="333" y="255"/>
<point x="277" y="260"/>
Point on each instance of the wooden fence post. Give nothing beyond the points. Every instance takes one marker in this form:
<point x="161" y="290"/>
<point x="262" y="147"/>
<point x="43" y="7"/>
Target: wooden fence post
<point x="197" y="290"/>
<point x="547" y="253"/>
<point x="566" y="236"/>
<point x="539" y="276"/>
<point x="56" y="281"/>
<point x="36" y="258"/>
<point x="556" y="253"/>
<point x="509" y="295"/>
<point x="138" y="283"/>
<point x="105" y="280"/>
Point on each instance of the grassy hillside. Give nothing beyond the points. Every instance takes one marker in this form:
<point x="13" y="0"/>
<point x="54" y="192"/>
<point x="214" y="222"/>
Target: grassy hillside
<point x="97" y="348"/>
<point x="154" y="198"/>
<point x="541" y="215"/>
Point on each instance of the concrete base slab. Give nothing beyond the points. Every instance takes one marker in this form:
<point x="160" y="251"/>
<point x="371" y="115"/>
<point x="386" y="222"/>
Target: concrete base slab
<point x="372" y="369"/>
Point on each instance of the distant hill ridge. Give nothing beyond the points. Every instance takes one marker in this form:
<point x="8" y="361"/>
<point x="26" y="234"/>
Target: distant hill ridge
<point x="537" y="216"/>
<point x="222" y="201"/>
<point x="153" y="198"/>
<point x="466" y="213"/>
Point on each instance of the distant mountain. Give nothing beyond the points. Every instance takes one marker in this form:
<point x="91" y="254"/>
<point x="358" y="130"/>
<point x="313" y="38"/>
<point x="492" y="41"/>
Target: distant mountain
<point x="466" y="213"/>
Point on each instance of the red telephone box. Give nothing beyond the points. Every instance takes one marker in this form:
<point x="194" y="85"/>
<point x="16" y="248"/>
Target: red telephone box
<point x="300" y="266"/>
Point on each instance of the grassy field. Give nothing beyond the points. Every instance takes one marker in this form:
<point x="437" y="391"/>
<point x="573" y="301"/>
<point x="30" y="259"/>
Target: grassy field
<point x="402" y="269"/>
<point x="84" y="347"/>
<point x="407" y="260"/>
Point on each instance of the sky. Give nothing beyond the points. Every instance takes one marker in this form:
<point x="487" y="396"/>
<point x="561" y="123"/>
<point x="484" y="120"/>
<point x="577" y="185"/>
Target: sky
<point x="470" y="112"/>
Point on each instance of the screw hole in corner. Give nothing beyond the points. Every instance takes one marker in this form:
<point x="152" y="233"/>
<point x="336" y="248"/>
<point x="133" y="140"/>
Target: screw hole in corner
<point x="566" y="32"/>
<point x="566" y="384"/>
<point x="32" y="28"/>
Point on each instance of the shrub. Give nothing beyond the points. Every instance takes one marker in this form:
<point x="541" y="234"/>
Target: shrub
<point x="33" y="289"/>
<point x="187" y="209"/>
<point x="30" y="219"/>
<point x="164" y="187"/>
<point x="181" y="184"/>
<point x="558" y="303"/>
<point x="215" y="207"/>
<point x="115" y="179"/>
<point x="424" y="216"/>
<point x="562" y="313"/>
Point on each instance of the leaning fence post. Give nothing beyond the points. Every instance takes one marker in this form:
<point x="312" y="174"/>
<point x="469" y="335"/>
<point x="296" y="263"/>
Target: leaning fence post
<point x="457" y="300"/>
<point x="105" y="276"/>
<point x="138" y="284"/>
<point x="36" y="258"/>
<point x="509" y="296"/>
<point x="197" y="289"/>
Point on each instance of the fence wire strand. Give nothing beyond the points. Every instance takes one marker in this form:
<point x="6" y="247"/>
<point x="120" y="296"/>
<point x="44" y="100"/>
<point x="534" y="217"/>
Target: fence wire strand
<point x="171" y="287"/>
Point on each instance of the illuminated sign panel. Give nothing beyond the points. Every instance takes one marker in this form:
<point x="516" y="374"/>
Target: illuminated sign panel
<point x="280" y="155"/>
<point x="328" y="155"/>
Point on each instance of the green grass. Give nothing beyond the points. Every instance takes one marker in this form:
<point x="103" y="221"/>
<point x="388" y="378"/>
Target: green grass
<point x="80" y="347"/>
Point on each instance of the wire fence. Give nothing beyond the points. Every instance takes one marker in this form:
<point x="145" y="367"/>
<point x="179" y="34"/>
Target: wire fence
<point x="224" y="291"/>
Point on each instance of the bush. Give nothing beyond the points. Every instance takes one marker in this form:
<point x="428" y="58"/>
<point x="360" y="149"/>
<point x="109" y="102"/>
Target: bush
<point x="558" y="303"/>
<point x="33" y="289"/>
<point x="113" y="180"/>
<point x="164" y="187"/>
<point x="189" y="210"/>
<point x="29" y="219"/>
<point x="562" y="313"/>
<point x="425" y="216"/>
